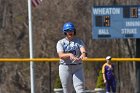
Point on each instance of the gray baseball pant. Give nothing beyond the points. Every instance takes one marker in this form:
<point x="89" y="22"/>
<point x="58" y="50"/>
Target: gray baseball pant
<point x="72" y="76"/>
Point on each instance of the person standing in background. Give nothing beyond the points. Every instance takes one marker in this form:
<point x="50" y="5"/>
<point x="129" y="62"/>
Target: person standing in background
<point x="109" y="76"/>
<point x="71" y="50"/>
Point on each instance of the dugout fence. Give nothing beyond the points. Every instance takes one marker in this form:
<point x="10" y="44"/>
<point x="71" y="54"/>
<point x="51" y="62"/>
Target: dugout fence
<point x="57" y="60"/>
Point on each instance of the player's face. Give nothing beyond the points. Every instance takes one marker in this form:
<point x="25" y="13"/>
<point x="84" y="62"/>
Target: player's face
<point x="108" y="61"/>
<point x="70" y="34"/>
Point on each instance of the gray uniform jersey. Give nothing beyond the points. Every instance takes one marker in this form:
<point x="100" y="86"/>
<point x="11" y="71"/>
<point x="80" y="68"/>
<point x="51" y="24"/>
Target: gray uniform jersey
<point x="73" y="46"/>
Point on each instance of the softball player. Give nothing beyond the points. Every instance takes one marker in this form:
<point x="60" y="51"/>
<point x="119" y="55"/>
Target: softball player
<point x="108" y="75"/>
<point x="71" y="51"/>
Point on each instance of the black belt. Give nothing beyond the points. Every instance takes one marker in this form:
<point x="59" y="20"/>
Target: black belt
<point x="70" y="63"/>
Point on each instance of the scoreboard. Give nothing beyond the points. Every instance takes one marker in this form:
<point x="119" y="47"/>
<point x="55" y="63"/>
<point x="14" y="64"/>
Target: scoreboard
<point x="115" y="22"/>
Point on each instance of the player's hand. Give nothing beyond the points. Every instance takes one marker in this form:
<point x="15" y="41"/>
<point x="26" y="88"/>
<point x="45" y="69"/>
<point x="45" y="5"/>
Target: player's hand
<point x="82" y="57"/>
<point x="73" y="58"/>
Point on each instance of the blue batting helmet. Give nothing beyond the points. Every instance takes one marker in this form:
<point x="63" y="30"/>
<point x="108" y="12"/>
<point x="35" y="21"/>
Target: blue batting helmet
<point x="68" y="26"/>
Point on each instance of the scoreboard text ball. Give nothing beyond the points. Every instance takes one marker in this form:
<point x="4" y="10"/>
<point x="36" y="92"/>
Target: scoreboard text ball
<point x="115" y="22"/>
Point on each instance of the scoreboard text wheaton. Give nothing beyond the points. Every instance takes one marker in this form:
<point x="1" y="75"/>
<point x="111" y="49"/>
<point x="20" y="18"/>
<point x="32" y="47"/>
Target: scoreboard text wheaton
<point x="115" y="22"/>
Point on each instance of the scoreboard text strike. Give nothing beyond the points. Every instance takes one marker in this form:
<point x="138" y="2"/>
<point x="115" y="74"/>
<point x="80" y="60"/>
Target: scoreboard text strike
<point x="116" y="22"/>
